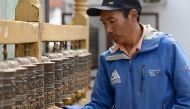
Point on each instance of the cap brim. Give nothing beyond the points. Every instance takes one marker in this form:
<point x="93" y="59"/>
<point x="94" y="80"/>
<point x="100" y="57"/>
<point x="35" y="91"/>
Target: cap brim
<point x="95" y="11"/>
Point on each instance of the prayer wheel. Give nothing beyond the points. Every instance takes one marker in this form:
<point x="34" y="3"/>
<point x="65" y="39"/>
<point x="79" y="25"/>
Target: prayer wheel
<point x="31" y="81"/>
<point x="84" y="64"/>
<point x="40" y="85"/>
<point x="77" y="90"/>
<point x="81" y="74"/>
<point x="88" y="66"/>
<point x="31" y="86"/>
<point x="58" y="81"/>
<point x="71" y="74"/>
<point x="49" y="82"/>
<point x="8" y="88"/>
<point x="58" y="59"/>
<point x="39" y="82"/>
<point x="20" y="84"/>
<point x="65" y="95"/>
<point x="20" y="88"/>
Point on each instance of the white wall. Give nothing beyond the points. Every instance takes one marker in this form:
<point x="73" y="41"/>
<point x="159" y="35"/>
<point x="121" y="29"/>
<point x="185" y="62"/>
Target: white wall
<point x="174" y="18"/>
<point x="95" y="21"/>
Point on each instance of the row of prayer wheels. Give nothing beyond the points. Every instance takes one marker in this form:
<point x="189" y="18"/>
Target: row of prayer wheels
<point x="60" y="79"/>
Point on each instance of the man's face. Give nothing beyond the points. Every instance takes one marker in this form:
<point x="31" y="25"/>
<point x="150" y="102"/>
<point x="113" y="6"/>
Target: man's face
<point x="116" y="25"/>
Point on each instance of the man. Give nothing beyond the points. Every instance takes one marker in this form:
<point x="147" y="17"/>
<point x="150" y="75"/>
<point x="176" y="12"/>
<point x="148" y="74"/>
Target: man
<point x="145" y="69"/>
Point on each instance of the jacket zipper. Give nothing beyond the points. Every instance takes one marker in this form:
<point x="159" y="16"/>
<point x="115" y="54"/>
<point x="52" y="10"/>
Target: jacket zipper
<point x="142" y="80"/>
<point x="132" y="84"/>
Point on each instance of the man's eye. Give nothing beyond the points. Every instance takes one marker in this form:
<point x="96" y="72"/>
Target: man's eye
<point x="112" y="21"/>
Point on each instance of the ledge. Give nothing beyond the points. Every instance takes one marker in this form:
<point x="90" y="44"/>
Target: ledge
<point x="13" y="32"/>
<point x="52" y="32"/>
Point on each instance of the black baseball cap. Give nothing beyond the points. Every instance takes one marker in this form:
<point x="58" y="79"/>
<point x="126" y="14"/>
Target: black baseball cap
<point x="115" y="5"/>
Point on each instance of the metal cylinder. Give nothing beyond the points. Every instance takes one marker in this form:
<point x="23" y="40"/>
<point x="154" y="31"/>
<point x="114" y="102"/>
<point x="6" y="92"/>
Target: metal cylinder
<point x="71" y="77"/>
<point x="85" y="71"/>
<point x="66" y="97"/>
<point x="31" y="81"/>
<point x="40" y="86"/>
<point x="71" y="74"/>
<point x="81" y="74"/>
<point x="20" y="84"/>
<point x="39" y="82"/>
<point x="20" y="88"/>
<point x="3" y="66"/>
<point x="31" y="86"/>
<point x="65" y="83"/>
<point x="88" y="62"/>
<point x="49" y="84"/>
<point x="58" y="81"/>
<point x="88" y="67"/>
<point x="8" y="88"/>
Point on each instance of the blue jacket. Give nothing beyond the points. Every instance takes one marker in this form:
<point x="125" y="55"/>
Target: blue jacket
<point x="157" y="77"/>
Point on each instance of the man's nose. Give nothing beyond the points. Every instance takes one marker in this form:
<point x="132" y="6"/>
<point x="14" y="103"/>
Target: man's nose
<point x="109" y="29"/>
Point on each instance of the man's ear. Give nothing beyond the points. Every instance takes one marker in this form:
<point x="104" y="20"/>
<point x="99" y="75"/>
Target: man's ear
<point x="133" y="15"/>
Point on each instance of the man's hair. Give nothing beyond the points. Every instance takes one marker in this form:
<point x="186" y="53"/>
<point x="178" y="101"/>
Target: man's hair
<point x="126" y="12"/>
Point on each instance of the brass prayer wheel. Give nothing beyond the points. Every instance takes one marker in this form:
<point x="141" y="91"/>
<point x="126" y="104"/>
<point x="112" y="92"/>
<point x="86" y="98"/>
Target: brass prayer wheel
<point x="31" y="86"/>
<point x="65" y="95"/>
<point x="71" y="77"/>
<point x="49" y="84"/>
<point x="8" y="88"/>
<point x="57" y="58"/>
<point x="70" y="69"/>
<point x="40" y="85"/>
<point x="74" y="60"/>
<point x="20" y="88"/>
<point x="39" y="82"/>
<point x="20" y="84"/>
<point x="58" y="81"/>
<point x="3" y="65"/>
<point x="31" y="81"/>
<point x="82" y="70"/>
